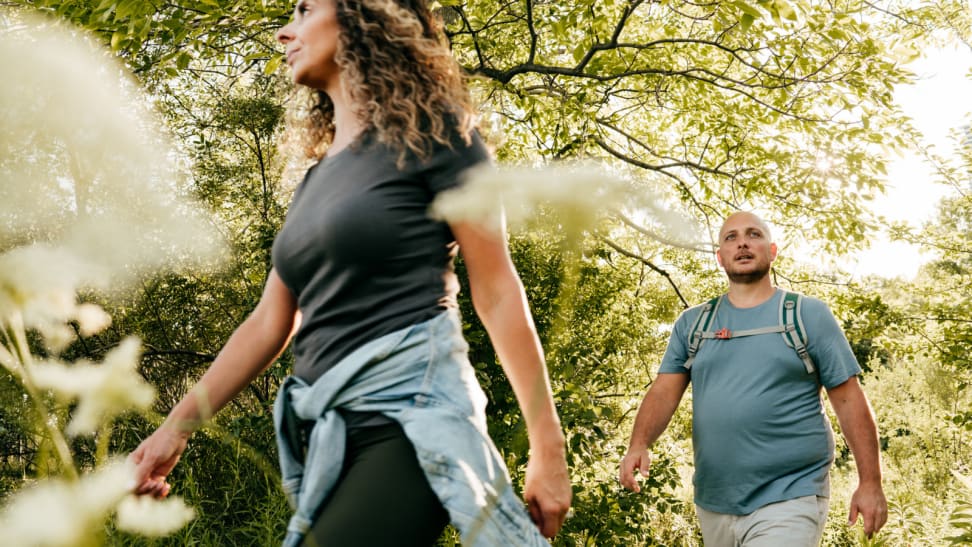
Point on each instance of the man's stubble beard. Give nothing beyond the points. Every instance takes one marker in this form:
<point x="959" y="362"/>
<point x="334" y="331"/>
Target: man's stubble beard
<point x="749" y="278"/>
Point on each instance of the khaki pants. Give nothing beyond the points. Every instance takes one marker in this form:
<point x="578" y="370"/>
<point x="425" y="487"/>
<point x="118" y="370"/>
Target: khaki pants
<point x="792" y="523"/>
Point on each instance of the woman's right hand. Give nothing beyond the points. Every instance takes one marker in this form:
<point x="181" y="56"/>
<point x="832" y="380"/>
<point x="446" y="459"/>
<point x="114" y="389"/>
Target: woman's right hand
<point x="155" y="458"/>
<point x="251" y="348"/>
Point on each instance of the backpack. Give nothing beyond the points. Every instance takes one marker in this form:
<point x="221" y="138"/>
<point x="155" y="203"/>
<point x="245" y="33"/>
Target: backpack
<point x="791" y="327"/>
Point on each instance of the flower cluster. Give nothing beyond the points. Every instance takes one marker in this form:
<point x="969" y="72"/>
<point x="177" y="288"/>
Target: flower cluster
<point x="581" y="194"/>
<point x="60" y="512"/>
<point x="89" y="200"/>
<point x="102" y="391"/>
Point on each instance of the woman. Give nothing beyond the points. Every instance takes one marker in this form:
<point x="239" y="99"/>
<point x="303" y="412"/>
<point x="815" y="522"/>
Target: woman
<point x="382" y="427"/>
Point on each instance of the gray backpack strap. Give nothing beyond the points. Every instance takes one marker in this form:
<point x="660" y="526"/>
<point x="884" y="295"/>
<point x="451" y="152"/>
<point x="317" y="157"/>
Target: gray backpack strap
<point x="726" y="334"/>
<point x="794" y="333"/>
<point x="699" y="328"/>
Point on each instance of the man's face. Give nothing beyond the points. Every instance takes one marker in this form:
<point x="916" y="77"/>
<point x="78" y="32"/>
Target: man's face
<point x="745" y="250"/>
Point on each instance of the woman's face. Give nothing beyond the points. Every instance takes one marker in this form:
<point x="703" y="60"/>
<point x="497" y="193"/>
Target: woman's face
<point x="311" y="38"/>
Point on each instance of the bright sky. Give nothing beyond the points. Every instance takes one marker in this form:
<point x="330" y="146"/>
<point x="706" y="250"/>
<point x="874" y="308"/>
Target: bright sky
<point x="940" y="102"/>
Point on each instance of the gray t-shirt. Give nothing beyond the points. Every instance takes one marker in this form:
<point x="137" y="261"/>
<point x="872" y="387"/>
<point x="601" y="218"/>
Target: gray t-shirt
<point x="759" y="430"/>
<point x="360" y="252"/>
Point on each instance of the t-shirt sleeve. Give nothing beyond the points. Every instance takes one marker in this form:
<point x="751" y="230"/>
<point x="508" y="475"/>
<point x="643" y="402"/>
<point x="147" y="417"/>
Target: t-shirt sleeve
<point x="827" y="344"/>
<point x="677" y="351"/>
<point x="445" y="168"/>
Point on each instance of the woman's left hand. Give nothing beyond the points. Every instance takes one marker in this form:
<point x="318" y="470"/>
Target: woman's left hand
<point x="547" y="490"/>
<point x="500" y="301"/>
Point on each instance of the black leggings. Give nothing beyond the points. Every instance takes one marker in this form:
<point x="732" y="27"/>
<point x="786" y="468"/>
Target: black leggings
<point x="382" y="496"/>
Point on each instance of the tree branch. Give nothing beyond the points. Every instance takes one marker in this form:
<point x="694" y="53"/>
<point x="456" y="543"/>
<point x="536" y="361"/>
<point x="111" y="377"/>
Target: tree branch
<point x="648" y="263"/>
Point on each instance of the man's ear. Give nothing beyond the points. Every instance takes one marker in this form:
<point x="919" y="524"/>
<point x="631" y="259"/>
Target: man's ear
<point x="773" y="251"/>
<point x="718" y="258"/>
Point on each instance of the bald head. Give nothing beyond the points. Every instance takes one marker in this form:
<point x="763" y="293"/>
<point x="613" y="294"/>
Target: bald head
<point x="743" y="219"/>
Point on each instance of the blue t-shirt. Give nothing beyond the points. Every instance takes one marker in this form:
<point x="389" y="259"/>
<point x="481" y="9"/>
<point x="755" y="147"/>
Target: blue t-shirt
<point x="759" y="430"/>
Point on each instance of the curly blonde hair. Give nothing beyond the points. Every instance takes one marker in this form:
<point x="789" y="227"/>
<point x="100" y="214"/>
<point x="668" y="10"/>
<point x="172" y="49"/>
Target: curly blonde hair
<point x="400" y="74"/>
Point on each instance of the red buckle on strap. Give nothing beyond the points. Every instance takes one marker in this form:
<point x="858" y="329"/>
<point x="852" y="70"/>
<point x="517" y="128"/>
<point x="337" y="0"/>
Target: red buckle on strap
<point x="723" y="334"/>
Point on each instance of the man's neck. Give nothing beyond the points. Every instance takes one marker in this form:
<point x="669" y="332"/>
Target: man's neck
<point x="750" y="295"/>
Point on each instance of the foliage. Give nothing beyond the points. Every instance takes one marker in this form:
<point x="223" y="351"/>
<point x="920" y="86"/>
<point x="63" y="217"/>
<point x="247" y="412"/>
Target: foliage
<point x="961" y="518"/>
<point x="943" y="307"/>
<point x="230" y="134"/>
<point x="919" y="448"/>
<point x="63" y="406"/>
<point x="591" y="308"/>
<point x="232" y="35"/>
<point x="229" y="475"/>
<point x="779" y="106"/>
<point x="784" y="106"/>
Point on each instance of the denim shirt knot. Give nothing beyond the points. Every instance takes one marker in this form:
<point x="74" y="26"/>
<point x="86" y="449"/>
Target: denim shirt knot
<point x="420" y="377"/>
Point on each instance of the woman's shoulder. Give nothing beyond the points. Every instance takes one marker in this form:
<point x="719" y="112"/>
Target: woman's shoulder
<point x="450" y="149"/>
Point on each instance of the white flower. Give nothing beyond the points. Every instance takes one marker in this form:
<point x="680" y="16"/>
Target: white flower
<point x="84" y="166"/>
<point x="57" y="337"/>
<point x="38" y="283"/>
<point x="103" y="391"/>
<point x="579" y="192"/>
<point x="55" y="512"/>
<point x="103" y="489"/>
<point x="44" y="514"/>
<point x="41" y="281"/>
<point x="581" y="195"/>
<point x="91" y="319"/>
<point x="154" y="518"/>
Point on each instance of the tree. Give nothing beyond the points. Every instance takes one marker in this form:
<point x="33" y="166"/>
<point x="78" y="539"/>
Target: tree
<point x="232" y="36"/>
<point x="226" y="123"/>
<point x="779" y="105"/>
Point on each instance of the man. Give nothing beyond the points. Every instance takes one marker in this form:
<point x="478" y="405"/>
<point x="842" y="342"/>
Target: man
<point x="763" y="446"/>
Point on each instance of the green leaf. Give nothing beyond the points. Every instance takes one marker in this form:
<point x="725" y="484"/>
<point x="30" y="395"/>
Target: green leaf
<point x="785" y="9"/>
<point x="579" y="51"/>
<point x="746" y="21"/>
<point x="116" y="40"/>
<point x="125" y="9"/>
<point x="182" y="61"/>
<point x="747" y="9"/>
<point x="272" y="64"/>
<point x="837" y="34"/>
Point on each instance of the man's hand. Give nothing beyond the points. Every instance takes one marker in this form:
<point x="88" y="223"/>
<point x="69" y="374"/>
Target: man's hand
<point x="547" y="492"/>
<point x="656" y="410"/>
<point x="860" y="430"/>
<point x="868" y="501"/>
<point x="635" y="459"/>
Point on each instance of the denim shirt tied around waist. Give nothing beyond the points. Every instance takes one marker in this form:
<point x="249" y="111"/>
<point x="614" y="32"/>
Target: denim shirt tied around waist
<point x="420" y="377"/>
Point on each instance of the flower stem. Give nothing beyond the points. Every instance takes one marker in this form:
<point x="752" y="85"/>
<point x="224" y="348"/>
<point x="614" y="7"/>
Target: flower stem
<point x="101" y="449"/>
<point x="16" y="339"/>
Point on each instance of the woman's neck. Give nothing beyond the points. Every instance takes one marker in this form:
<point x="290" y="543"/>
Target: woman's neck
<point x="347" y="125"/>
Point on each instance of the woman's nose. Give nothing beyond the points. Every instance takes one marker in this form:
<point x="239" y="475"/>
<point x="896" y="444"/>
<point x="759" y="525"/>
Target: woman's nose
<point x="284" y="35"/>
